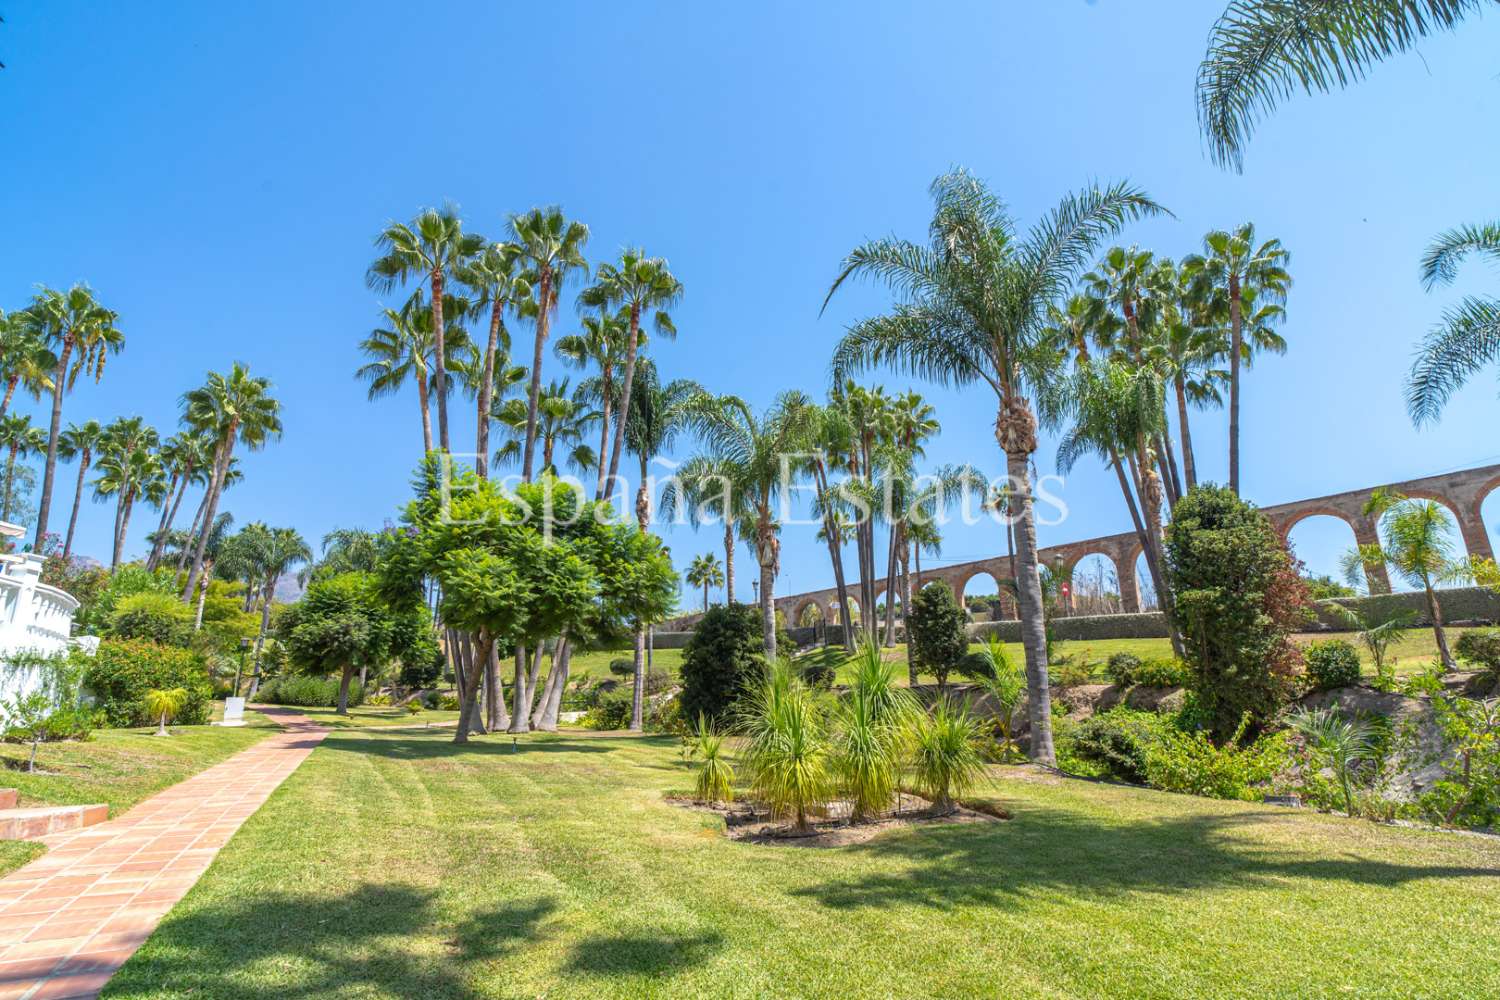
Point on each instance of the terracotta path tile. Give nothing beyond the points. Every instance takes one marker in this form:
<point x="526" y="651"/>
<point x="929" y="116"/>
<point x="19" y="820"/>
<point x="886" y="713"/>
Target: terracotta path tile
<point x="72" y="917"/>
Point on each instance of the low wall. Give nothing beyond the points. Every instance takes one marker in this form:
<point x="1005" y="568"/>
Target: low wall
<point x="1089" y="628"/>
<point x="1458" y="604"/>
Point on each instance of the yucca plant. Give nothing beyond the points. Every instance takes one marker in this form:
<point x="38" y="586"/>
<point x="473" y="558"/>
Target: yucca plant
<point x="715" y="781"/>
<point x="788" y="747"/>
<point x="873" y="725"/>
<point x="1339" y="744"/>
<point x="163" y="705"/>
<point x="945" y="758"/>
<point x="1005" y="683"/>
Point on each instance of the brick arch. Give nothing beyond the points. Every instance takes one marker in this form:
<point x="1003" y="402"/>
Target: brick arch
<point x="1287" y="523"/>
<point x="1076" y="556"/>
<point x="803" y="606"/>
<point x="992" y="570"/>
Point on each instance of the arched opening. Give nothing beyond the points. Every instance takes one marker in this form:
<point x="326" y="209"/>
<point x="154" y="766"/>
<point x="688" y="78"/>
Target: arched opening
<point x="808" y="614"/>
<point x="1096" y="586"/>
<point x="838" y="615"/>
<point x="1489" y="514"/>
<point x="1455" y="536"/>
<point x="1144" y="586"/>
<point x="982" y="598"/>
<point x="1322" y="542"/>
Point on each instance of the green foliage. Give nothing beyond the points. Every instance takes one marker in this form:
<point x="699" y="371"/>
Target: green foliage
<point x="622" y="666"/>
<point x="610" y="712"/>
<point x="817" y="672"/>
<point x="307" y="692"/>
<point x="163" y="705"/>
<point x="946" y="762"/>
<point x="1118" y="741"/>
<point x="1481" y="647"/>
<point x="1469" y="794"/>
<point x="1321" y="588"/>
<point x="1332" y="663"/>
<point x="722" y="661"/>
<point x="787" y="754"/>
<point x="34" y="718"/>
<point x="1237" y="599"/>
<point x="1121" y="668"/>
<point x="1004" y="683"/>
<point x="1083" y="628"/>
<point x="871" y="733"/>
<point x="95" y="615"/>
<point x="123" y="670"/>
<point x="341" y="625"/>
<point x="152" y="615"/>
<point x="714" y="781"/>
<point x="1339" y="744"/>
<point x="1189" y="762"/>
<point x="935" y="631"/>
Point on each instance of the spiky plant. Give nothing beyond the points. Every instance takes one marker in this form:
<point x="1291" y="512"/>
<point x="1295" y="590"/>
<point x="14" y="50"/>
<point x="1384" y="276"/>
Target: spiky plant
<point x="1337" y="743"/>
<point x="715" y="779"/>
<point x="872" y="732"/>
<point x="945" y="758"/>
<point x="163" y="704"/>
<point x="1004" y="683"/>
<point x="788" y="755"/>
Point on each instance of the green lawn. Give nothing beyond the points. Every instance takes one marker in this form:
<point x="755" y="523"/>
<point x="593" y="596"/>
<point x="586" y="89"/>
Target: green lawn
<point x="117" y="766"/>
<point x="393" y="864"/>
<point x="376" y="715"/>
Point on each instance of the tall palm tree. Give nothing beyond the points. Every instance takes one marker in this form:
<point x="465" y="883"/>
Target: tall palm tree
<point x="233" y="408"/>
<point x="972" y="306"/>
<point x="659" y="414"/>
<point x="705" y="571"/>
<point x="639" y="285"/>
<point x="350" y="550"/>
<point x="19" y="439"/>
<point x="25" y="361"/>
<point x="401" y="351"/>
<point x="82" y="333"/>
<point x="562" y="422"/>
<point x="430" y="248"/>
<point x="1262" y="51"/>
<point x="1245" y="273"/>
<point x="600" y="346"/>
<point x="184" y="455"/>
<point x="1468" y="337"/>
<point x="552" y="249"/>
<point x="128" y="474"/>
<point x="283" y="550"/>
<point x="186" y="542"/>
<point x="80" y="441"/>
<point x="703" y="491"/>
<point x="213" y="545"/>
<point x="748" y="451"/>
<point x="499" y="283"/>
<point x="1187" y="346"/>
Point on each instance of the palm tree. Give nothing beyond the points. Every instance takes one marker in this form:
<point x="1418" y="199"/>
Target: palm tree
<point x="600" y="346"/>
<point x="84" y="334"/>
<point x="128" y="469"/>
<point x="1245" y="273"/>
<point x="350" y="550"/>
<point x="552" y="248"/>
<point x="705" y="571"/>
<point x="659" y="414"/>
<point x="24" y="358"/>
<point x="18" y="438"/>
<point x="80" y="441"/>
<point x="232" y="408"/>
<point x="1468" y="338"/>
<point x="186" y="542"/>
<point x="831" y="436"/>
<point x="702" y="491"/>
<point x="748" y="450"/>
<point x="498" y="282"/>
<point x="282" y="550"/>
<point x="211" y="548"/>
<point x="431" y="248"/>
<point x="1188" y="342"/>
<point x="972" y="307"/>
<point x="562" y="422"/>
<point x="399" y="351"/>
<point x="1261" y="51"/>
<point x="185" y="455"/>
<point x="640" y="285"/>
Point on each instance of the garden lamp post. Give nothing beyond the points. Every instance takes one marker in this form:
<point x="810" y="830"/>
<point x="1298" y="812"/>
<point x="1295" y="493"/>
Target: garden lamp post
<point x="244" y="647"/>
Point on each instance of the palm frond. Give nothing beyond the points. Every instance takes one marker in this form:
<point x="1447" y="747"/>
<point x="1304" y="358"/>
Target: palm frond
<point x="1467" y="339"/>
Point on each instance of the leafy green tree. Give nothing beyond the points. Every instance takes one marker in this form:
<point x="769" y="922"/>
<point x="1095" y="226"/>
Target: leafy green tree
<point x="722" y="662"/>
<point x="431" y="248"/>
<point x="1260" y="52"/>
<point x="19" y="439"/>
<point x="339" y="626"/>
<point x="935" y="632"/>
<point x="81" y="333"/>
<point x="977" y="317"/>
<point x="1237" y="600"/>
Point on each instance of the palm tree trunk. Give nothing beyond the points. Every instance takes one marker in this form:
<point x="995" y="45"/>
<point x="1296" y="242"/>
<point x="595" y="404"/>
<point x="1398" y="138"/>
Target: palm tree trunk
<point x="1436" y="614"/>
<point x="83" y="469"/>
<point x="1168" y="463"/>
<point x="59" y="381"/>
<point x="129" y="503"/>
<point x="260" y="637"/>
<point x="632" y="343"/>
<point x="638" y="681"/>
<point x="1189" y="463"/>
<point x="10" y="390"/>
<point x="1033" y="624"/>
<point x="202" y="597"/>
<point x="215" y="487"/>
<point x="192" y="533"/>
<point x="486" y="391"/>
<point x="728" y="562"/>
<point x="167" y="512"/>
<point x="543" y="320"/>
<point x="10" y="474"/>
<point x="767" y="608"/>
<point x="439" y="361"/>
<point x="422" y="403"/>
<point x="1236" y="345"/>
<point x="604" y="409"/>
<point x="705" y="595"/>
<point x="520" y="713"/>
<point x="560" y="670"/>
<point x="890" y="587"/>
<point x="906" y="584"/>
<point x="495" y="692"/>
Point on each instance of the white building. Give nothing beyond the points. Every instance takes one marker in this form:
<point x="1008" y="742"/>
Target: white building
<point x="34" y="616"/>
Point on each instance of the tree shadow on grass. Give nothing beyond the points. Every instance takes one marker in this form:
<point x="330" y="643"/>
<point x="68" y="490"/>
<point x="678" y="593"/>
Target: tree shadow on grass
<point x="440" y="747"/>
<point x="1049" y="851"/>
<point x="643" y="954"/>
<point x="280" y="945"/>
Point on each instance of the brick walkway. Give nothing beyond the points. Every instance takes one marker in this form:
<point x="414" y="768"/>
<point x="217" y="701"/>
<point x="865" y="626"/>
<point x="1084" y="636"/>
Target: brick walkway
<point x="72" y="917"/>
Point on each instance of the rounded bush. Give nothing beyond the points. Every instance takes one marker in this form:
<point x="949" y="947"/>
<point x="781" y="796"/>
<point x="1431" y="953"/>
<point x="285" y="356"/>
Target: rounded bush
<point x="1480" y="647"/>
<point x="123" y="670"/>
<point x="622" y="666"/>
<point x="818" y="673"/>
<point x="152" y="616"/>
<point x="722" y="660"/>
<point x="308" y="692"/>
<point x="1121" y="668"/>
<point x="1162" y="672"/>
<point x="1332" y="664"/>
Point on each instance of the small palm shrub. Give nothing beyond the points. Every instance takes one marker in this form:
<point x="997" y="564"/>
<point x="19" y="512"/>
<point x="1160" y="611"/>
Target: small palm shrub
<point x="787" y="756"/>
<point x="1004" y="683"/>
<point x="165" y="704"/>
<point x="1339" y="744"/>
<point x="945" y="753"/>
<point x="715" y="779"/>
<point x="1332" y="664"/>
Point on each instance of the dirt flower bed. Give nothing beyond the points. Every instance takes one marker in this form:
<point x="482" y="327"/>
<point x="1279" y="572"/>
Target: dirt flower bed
<point x="746" y="821"/>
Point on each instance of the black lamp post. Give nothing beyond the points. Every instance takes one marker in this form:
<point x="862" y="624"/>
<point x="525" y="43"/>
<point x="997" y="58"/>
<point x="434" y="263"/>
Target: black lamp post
<point x="244" y="646"/>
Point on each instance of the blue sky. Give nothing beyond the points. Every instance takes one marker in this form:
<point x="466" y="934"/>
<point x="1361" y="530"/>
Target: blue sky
<point x="217" y="172"/>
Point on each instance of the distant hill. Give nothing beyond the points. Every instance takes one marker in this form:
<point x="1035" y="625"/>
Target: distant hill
<point x="288" y="589"/>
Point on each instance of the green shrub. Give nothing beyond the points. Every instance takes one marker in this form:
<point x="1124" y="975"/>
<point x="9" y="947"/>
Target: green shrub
<point x="1237" y="599"/>
<point x="447" y="702"/>
<point x="1481" y="647"/>
<point x="935" y="632"/>
<point x="307" y="692"/>
<point x="153" y="616"/>
<point x="1118" y="741"/>
<point x="1121" y="668"/>
<point x="1163" y="672"/>
<point x="95" y="615"/>
<point x="1332" y="663"/>
<point x="945" y="748"/>
<point x="818" y="673"/>
<point x="723" y="660"/>
<point x="123" y="670"/>
<point x="1186" y="762"/>
<point x="611" y="712"/>
<point x="34" y="718"/>
<point x="622" y="666"/>
<point x="1068" y="672"/>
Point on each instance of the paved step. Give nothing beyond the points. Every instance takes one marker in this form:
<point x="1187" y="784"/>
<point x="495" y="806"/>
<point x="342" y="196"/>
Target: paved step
<point x="8" y="797"/>
<point x="39" y="821"/>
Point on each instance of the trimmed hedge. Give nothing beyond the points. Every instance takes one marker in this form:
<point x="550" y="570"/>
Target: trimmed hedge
<point x="1457" y="604"/>
<point x="123" y="670"/>
<point x="1085" y="628"/>
<point x="308" y="692"/>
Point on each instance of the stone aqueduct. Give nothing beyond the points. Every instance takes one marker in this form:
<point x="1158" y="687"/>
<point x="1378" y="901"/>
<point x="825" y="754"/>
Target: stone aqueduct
<point x="1461" y="492"/>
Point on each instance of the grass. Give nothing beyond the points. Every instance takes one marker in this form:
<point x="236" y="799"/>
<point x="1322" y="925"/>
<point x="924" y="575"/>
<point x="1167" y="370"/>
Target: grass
<point x="396" y="865"/>
<point x="117" y="766"/>
<point x="362" y="716"/>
